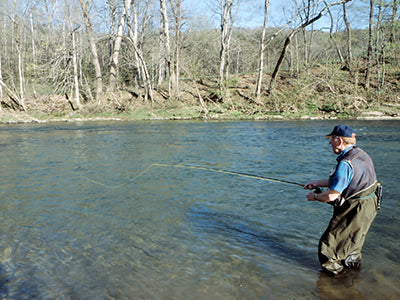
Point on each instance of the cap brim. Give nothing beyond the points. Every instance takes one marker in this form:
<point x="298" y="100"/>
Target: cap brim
<point x="329" y="135"/>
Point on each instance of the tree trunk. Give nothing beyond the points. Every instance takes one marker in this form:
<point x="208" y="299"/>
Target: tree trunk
<point x="228" y="50"/>
<point x="262" y="49"/>
<point x="305" y="46"/>
<point x="280" y="60"/>
<point x="349" y="57"/>
<point x="339" y="53"/>
<point x="146" y="79"/>
<point x="165" y="48"/>
<point x="133" y="37"/>
<point x="369" y="53"/>
<point x="297" y="55"/>
<point x="20" y="67"/>
<point x="225" y="18"/>
<point x="21" y="76"/>
<point x="75" y="64"/>
<point x="378" y="41"/>
<point x="33" y="41"/>
<point x="4" y="39"/>
<point x="383" y="67"/>
<point x="115" y="56"/>
<point x="175" y="70"/>
<point x="93" y="49"/>
<point x="393" y="22"/>
<point x="309" y="48"/>
<point x="1" y="87"/>
<point x="133" y="33"/>
<point x="48" y="15"/>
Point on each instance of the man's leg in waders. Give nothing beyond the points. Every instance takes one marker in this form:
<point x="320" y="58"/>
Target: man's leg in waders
<point x="341" y="244"/>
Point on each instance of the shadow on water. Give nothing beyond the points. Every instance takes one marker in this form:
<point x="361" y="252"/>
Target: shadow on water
<point x="278" y="243"/>
<point x="15" y="285"/>
<point x="4" y="291"/>
<point x="341" y="286"/>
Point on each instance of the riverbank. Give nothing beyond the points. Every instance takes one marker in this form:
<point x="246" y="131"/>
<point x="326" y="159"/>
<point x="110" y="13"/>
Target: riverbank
<point x="7" y="117"/>
<point x="307" y="97"/>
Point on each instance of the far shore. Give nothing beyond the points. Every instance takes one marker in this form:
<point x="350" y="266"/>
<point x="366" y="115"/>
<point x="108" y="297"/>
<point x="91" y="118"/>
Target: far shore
<point x="7" y="117"/>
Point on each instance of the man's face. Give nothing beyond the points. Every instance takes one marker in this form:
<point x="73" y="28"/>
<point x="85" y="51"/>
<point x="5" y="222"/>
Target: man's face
<point x="336" y="143"/>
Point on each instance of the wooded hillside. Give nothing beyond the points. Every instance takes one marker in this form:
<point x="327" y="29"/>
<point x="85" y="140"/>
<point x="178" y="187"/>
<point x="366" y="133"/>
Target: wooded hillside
<point x="159" y="59"/>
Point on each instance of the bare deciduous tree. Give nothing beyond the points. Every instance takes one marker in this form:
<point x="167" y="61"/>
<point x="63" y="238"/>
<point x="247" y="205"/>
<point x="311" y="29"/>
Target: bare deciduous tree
<point x="93" y="48"/>
<point x="226" y="33"/>
<point x="334" y="40"/>
<point x="18" y="46"/>
<point x="262" y="49"/>
<point x="116" y="52"/>
<point x="393" y="21"/>
<point x="164" y="70"/>
<point x="130" y="5"/>
<point x="75" y="65"/>
<point x="370" y="41"/>
<point x="349" y="57"/>
<point x="175" y="70"/>
<point x="308" y="21"/>
<point x="75" y="87"/>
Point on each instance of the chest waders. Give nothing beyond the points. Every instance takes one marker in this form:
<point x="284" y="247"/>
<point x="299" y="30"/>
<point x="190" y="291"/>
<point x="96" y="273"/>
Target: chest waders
<point x="341" y="244"/>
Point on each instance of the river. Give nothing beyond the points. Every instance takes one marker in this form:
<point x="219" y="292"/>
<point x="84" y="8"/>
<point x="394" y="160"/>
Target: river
<point x="111" y="210"/>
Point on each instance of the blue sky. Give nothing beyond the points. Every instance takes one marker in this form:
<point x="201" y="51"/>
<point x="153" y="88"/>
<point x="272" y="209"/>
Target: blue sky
<point x="252" y="13"/>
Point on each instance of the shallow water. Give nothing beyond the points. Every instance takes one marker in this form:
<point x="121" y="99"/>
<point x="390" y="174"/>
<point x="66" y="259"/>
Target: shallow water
<point x="85" y="214"/>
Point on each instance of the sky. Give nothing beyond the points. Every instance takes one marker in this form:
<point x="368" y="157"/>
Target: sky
<point x="252" y="13"/>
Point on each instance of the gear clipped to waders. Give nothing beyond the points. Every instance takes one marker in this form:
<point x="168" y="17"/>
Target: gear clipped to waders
<point x="379" y="195"/>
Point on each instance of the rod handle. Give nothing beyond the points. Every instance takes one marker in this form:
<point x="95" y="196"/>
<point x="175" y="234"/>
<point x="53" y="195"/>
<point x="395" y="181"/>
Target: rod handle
<point x="318" y="190"/>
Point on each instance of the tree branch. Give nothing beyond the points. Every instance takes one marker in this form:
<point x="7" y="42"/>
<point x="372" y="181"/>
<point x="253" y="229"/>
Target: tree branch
<point x="307" y="22"/>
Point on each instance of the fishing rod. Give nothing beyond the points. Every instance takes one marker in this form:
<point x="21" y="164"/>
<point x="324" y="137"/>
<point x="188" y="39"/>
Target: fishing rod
<point x="228" y="172"/>
<point x="317" y="189"/>
<point x="206" y="169"/>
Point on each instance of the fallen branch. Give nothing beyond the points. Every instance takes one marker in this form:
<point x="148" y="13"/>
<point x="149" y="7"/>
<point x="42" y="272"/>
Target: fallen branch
<point x="13" y="96"/>
<point x="162" y="92"/>
<point x="70" y="103"/>
<point x="247" y="98"/>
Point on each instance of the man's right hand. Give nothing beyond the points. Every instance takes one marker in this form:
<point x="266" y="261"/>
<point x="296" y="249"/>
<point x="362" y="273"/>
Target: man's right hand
<point x="310" y="186"/>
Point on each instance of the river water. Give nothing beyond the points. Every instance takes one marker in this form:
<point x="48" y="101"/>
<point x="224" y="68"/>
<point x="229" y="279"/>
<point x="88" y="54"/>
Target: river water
<point x="86" y="212"/>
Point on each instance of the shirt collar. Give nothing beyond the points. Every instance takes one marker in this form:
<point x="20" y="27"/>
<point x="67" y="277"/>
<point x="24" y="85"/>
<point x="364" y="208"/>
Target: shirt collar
<point x="340" y="156"/>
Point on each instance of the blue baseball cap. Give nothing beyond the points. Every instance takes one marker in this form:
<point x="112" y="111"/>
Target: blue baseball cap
<point x="341" y="130"/>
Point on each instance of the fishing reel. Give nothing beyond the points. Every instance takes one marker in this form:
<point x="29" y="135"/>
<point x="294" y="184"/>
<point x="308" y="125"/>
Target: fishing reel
<point x="317" y="190"/>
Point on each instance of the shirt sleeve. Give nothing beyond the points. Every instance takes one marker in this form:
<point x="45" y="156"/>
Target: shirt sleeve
<point x="342" y="177"/>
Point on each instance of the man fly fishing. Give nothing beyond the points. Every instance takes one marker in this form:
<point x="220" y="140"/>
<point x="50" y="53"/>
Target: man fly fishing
<point x="352" y="190"/>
